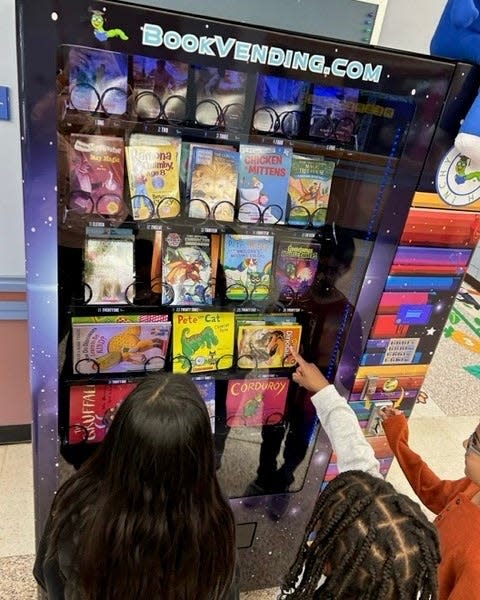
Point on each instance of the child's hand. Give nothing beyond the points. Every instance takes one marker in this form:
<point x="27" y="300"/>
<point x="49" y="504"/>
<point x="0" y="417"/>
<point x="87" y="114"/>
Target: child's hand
<point x="389" y="411"/>
<point x="308" y="375"/>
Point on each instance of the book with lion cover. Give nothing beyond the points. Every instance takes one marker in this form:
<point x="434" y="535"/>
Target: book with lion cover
<point x="153" y="173"/>
<point x="256" y="402"/>
<point x="203" y="341"/>
<point x="213" y="182"/>
<point x="267" y="346"/>
<point x="114" y="347"/>
<point x="92" y="408"/>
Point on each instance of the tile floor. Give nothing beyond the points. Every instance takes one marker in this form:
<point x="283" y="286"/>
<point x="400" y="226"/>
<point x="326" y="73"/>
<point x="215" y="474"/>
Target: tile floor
<point x="437" y="431"/>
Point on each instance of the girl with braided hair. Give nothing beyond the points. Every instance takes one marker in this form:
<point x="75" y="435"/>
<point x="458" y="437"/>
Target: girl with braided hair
<point x="364" y="541"/>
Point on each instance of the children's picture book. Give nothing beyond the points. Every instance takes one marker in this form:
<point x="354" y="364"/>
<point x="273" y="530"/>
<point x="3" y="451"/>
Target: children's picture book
<point x="295" y="267"/>
<point x="256" y="402"/>
<point x="153" y="174"/>
<point x="220" y="97"/>
<point x="92" y="408"/>
<point x="206" y="387"/>
<point x="109" y="271"/>
<point x="286" y="101"/>
<point x="160" y="88"/>
<point x="146" y="139"/>
<point x="203" y="341"/>
<point x="96" y="170"/>
<point x="213" y="182"/>
<point x="264" y="172"/>
<point x="309" y="188"/>
<point x="267" y="346"/>
<point x="120" y="347"/>
<point x="186" y="268"/>
<point x="333" y="112"/>
<point x="98" y="80"/>
<point x="247" y="264"/>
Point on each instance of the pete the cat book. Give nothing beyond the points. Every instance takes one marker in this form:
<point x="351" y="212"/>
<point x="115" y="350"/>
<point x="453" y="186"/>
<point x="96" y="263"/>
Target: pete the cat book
<point x="247" y="264"/>
<point x="309" y="187"/>
<point x="96" y="170"/>
<point x="122" y="346"/>
<point x="256" y="402"/>
<point x="213" y="183"/>
<point x="295" y="268"/>
<point x="264" y="173"/>
<point x="92" y="408"/>
<point x="203" y="341"/>
<point x="266" y="346"/>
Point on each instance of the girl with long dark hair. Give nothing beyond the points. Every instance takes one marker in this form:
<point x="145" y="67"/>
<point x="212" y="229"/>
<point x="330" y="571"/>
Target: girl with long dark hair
<point x="144" y="518"/>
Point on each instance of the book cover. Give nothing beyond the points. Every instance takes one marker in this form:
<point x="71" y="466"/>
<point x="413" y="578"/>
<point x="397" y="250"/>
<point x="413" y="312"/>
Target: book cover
<point x="247" y="264"/>
<point x="153" y="171"/>
<point x="147" y="139"/>
<point x="213" y="181"/>
<point x="96" y="170"/>
<point x="203" y="341"/>
<point x="284" y="97"/>
<point x="156" y="265"/>
<point x="186" y="269"/>
<point x="206" y="387"/>
<point x="120" y="347"/>
<point x="295" y="267"/>
<point x="92" y="408"/>
<point x="309" y="187"/>
<point x="98" y="80"/>
<point x="264" y="173"/>
<point x="333" y="112"/>
<point x="120" y="318"/>
<point x="267" y="346"/>
<point x="224" y="92"/>
<point x="109" y="269"/>
<point x="256" y="402"/>
<point x="160" y="88"/>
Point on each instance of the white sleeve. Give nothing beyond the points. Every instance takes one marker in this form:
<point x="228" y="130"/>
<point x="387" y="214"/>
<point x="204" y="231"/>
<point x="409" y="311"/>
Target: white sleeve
<point x="344" y="432"/>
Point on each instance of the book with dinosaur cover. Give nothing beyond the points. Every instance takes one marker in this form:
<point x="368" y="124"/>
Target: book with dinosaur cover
<point x="92" y="408"/>
<point x="153" y="173"/>
<point x="139" y="345"/>
<point x="109" y="270"/>
<point x="247" y="264"/>
<point x="98" y="80"/>
<point x="267" y="346"/>
<point x="295" y="267"/>
<point x="256" y="402"/>
<point x="203" y="341"/>
<point x="264" y="173"/>
<point x="206" y="387"/>
<point x="213" y="182"/>
<point x="309" y="188"/>
<point x="96" y="170"/>
<point x="186" y="268"/>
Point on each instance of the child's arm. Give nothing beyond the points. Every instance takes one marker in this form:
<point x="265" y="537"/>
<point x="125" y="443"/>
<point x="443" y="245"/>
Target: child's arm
<point x="434" y="492"/>
<point x="338" y="420"/>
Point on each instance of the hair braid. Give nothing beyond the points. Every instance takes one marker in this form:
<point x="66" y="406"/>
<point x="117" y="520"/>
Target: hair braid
<point x="371" y="542"/>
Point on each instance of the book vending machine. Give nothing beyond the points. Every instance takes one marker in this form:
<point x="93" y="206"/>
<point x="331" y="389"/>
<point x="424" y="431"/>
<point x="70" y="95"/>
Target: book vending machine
<point x="199" y="197"/>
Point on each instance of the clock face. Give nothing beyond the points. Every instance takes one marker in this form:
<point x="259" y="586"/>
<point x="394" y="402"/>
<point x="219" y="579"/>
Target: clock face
<point x="458" y="180"/>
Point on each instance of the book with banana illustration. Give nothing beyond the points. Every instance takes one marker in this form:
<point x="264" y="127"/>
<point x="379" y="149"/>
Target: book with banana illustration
<point x="136" y="343"/>
<point x="202" y="341"/>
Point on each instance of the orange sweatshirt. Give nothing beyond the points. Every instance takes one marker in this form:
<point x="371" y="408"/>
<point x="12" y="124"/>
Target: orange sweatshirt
<point x="458" y="519"/>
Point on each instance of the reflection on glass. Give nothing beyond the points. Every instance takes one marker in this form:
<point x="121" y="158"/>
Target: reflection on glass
<point x="333" y="113"/>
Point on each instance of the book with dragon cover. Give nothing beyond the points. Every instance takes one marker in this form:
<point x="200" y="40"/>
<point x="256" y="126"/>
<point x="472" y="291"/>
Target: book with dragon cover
<point x="109" y="270"/>
<point x="295" y="268"/>
<point x="206" y="387"/>
<point x="267" y="346"/>
<point x="309" y="188"/>
<point x="96" y="173"/>
<point x="98" y="80"/>
<point x="213" y="182"/>
<point x="256" y="402"/>
<point x="247" y="265"/>
<point x="186" y="268"/>
<point x="203" y="341"/>
<point x="264" y="173"/>
<point x="153" y="174"/>
<point x="92" y="408"/>
<point x="122" y="346"/>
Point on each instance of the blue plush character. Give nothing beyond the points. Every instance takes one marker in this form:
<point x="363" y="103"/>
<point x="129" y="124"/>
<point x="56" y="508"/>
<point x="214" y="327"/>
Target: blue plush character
<point x="458" y="37"/>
